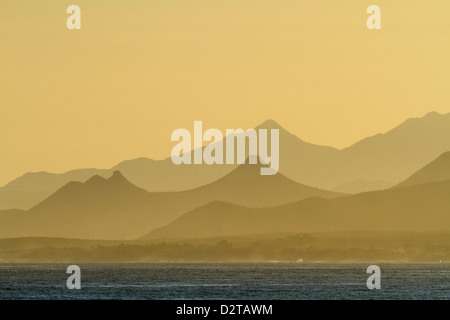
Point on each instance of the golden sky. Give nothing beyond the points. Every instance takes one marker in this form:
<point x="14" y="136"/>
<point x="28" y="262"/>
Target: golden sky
<point x="137" y="70"/>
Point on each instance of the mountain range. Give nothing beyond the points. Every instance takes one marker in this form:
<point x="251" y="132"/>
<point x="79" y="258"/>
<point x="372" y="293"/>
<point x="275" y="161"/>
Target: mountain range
<point x="373" y="163"/>
<point x="420" y="203"/>
<point x="114" y="208"/>
<point x="241" y="203"/>
<point x="420" y="208"/>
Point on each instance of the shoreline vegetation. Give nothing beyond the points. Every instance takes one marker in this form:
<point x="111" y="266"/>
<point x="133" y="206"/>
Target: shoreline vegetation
<point x="342" y="247"/>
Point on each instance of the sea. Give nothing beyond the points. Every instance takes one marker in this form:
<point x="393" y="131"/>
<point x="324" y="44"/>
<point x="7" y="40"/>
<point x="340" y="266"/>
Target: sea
<point x="217" y="281"/>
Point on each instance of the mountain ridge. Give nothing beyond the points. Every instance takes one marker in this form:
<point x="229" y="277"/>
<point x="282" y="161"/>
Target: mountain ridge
<point x="398" y="209"/>
<point x="392" y="157"/>
<point x="114" y="208"/>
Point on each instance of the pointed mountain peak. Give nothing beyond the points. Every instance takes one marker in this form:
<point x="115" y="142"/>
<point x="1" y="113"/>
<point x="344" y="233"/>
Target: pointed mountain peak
<point x="269" y="124"/>
<point x="117" y="176"/>
<point x="250" y="174"/>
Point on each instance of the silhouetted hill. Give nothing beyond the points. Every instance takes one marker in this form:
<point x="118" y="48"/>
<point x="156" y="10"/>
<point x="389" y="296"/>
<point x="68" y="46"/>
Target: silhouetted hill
<point x="419" y="208"/>
<point x="437" y="170"/>
<point x="245" y="186"/>
<point x="114" y="208"/>
<point x="98" y="208"/>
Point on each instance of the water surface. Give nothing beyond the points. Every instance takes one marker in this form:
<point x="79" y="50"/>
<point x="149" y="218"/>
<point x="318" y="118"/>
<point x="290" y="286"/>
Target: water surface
<point x="225" y="281"/>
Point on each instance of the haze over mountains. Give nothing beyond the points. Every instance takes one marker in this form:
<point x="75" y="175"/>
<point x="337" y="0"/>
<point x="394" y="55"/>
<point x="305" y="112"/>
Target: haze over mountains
<point x="241" y="203"/>
<point x="384" y="159"/>
<point x="421" y="203"/>
<point x="390" y="157"/>
<point x="152" y="175"/>
<point x="114" y="208"/>
<point x="422" y="208"/>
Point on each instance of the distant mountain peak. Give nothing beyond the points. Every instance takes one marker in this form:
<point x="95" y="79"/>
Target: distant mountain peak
<point x="270" y="124"/>
<point x="117" y="176"/>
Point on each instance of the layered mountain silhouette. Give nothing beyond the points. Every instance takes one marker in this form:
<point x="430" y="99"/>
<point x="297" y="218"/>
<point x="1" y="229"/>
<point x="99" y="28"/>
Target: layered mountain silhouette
<point x="425" y="207"/>
<point x="154" y="176"/>
<point x="33" y="187"/>
<point x="437" y="170"/>
<point x="390" y="158"/>
<point x="114" y="208"/>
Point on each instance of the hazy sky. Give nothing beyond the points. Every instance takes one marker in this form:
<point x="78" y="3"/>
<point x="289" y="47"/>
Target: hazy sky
<point x="137" y="70"/>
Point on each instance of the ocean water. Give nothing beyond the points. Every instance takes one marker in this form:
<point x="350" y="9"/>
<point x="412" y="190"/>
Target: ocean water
<point x="302" y="281"/>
